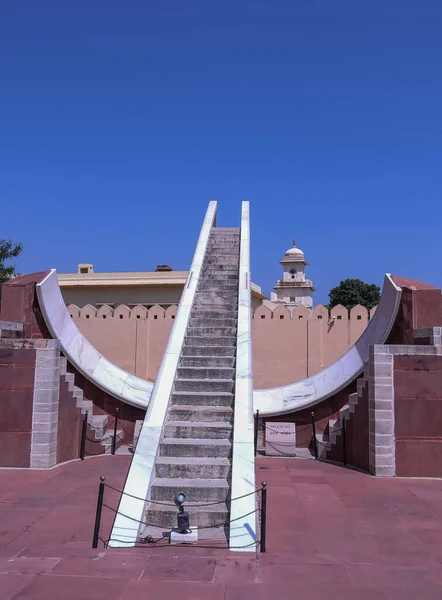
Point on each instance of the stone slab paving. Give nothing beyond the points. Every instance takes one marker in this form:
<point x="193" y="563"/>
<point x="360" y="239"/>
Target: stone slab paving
<point x="332" y="533"/>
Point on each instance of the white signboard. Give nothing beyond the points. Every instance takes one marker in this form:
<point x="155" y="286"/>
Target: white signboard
<point x="280" y="438"/>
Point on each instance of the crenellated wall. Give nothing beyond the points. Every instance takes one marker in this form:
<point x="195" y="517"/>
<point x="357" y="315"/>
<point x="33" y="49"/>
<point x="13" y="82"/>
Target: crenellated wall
<point x="134" y="339"/>
<point x="287" y="345"/>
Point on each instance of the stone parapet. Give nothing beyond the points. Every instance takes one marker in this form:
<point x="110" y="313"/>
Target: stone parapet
<point x="11" y="330"/>
<point x="431" y="336"/>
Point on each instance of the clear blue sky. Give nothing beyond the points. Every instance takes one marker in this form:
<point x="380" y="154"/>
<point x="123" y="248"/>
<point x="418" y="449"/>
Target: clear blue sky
<point x="119" y="121"/>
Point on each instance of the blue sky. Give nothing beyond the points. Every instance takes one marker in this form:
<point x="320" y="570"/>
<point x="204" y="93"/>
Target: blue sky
<point x="119" y="121"/>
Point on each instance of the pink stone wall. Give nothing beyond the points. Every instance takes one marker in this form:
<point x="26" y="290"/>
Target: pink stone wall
<point x="290" y="346"/>
<point x="17" y="371"/>
<point x="287" y="346"/>
<point x="418" y="415"/>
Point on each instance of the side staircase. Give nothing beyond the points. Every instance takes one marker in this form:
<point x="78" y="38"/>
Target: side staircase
<point x="97" y="423"/>
<point x="196" y="441"/>
<point x="332" y="436"/>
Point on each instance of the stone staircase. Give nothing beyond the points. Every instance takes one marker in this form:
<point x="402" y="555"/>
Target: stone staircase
<point x="196" y="442"/>
<point x="332" y="436"/>
<point x="97" y="423"/>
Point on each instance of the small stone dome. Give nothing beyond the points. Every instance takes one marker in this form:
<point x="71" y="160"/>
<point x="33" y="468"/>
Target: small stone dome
<point x="294" y="253"/>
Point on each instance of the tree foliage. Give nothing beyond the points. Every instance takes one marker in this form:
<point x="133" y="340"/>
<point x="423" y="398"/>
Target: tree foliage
<point x="351" y="292"/>
<point x="8" y="251"/>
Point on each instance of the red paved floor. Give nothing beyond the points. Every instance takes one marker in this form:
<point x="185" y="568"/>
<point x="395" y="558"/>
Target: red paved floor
<point x="331" y="533"/>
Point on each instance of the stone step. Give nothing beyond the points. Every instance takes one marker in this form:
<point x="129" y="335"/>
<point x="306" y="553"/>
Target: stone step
<point x="219" y="257"/>
<point x="222" y="277"/>
<point x="209" y="312"/>
<point x="344" y="412"/>
<point x="353" y="400"/>
<point x="212" y="331"/>
<point x="98" y="424"/>
<point x="219" y="273"/>
<point x="225" y="231"/>
<point x="196" y="490"/>
<point x="86" y="406"/>
<point x="197" y="429"/>
<point x="63" y="365"/>
<point x="70" y="380"/>
<point x="227" y="290"/>
<point x="360" y="384"/>
<point x="106" y="440"/>
<point x="231" y="248"/>
<point x="224" y="240"/>
<point x="195" y="448"/>
<point x="213" y="285"/>
<point x="201" y="516"/>
<point x="201" y="413"/>
<point x="219" y="234"/>
<point x="198" y="340"/>
<point x="214" y="302"/>
<point x="202" y="399"/>
<point x="226" y="307"/>
<point x="218" y="247"/>
<point x="213" y="351"/>
<point x="228" y="298"/>
<point x="204" y="385"/>
<point x="197" y="468"/>
<point x="207" y="361"/>
<point x="77" y="392"/>
<point x="212" y="270"/>
<point x="205" y="373"/>
<point x="323" y="444"/>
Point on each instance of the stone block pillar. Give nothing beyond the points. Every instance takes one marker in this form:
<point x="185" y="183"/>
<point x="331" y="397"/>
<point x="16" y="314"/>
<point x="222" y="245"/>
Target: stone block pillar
<point x="45" y="406"/>
<point x="382" y="453"/>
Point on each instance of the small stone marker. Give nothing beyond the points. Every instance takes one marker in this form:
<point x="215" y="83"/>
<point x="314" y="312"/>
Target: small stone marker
<point x="184" y="538"/>
<point x="280" y="438"/>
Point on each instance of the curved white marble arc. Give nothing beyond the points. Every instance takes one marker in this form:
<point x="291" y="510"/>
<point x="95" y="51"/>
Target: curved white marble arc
<point x="319" y="387"/>
<point x="82" y="355"/>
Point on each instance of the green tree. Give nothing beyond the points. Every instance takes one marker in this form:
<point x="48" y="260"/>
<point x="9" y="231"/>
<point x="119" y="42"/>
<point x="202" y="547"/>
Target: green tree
<point x="8" y="251"/>
<point x="354" y="291"/>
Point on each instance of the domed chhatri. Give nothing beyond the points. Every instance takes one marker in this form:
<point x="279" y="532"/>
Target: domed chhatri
<point x="294" y="254"/>
<point x="294" y="289"/>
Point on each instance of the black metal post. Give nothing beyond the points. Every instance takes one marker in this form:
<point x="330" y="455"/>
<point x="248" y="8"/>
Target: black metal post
<point x="114" y="439"/>
<point x="315" y="442"/>
<point x="83" y="437"/>
<point x="98" y="512"/>
<point x="256" y="430"/>
<point x="344" y="442"/>
<point x="263" y="516"/>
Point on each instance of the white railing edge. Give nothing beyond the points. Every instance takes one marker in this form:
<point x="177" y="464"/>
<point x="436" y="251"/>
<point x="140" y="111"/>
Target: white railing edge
<point x="242" y="535"/>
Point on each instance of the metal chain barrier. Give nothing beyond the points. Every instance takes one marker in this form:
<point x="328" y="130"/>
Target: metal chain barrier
<point x="197" y="505"/>
<point x="261" y="509"/>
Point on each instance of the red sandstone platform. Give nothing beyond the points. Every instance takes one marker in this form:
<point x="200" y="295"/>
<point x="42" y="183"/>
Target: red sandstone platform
<point x="332" y="533"/>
